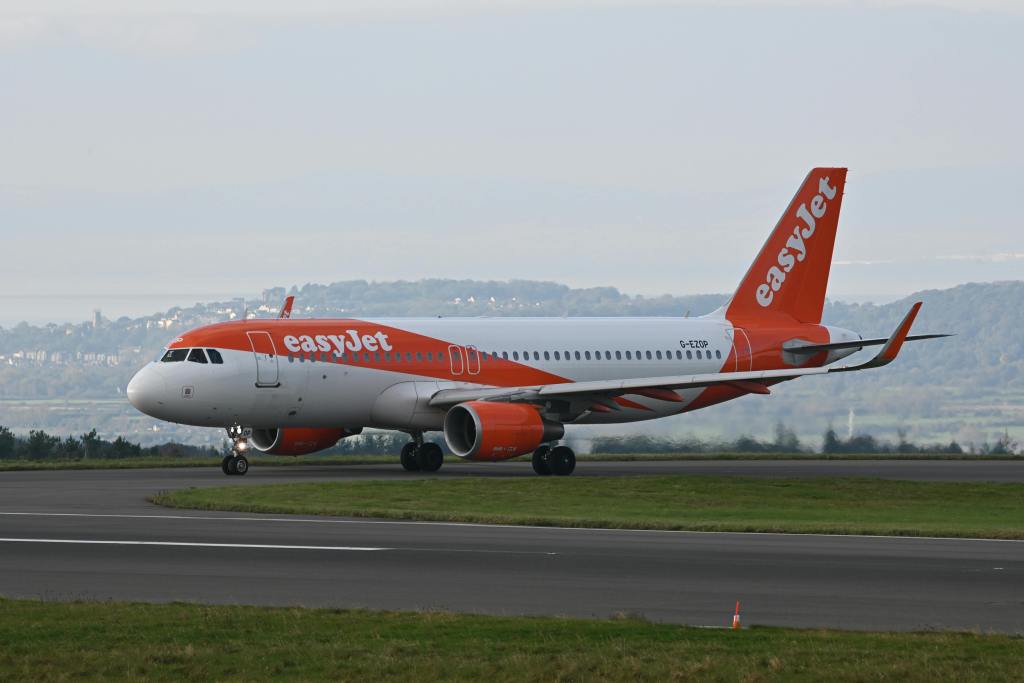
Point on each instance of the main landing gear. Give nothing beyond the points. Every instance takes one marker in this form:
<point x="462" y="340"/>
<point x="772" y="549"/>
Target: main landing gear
<point x="236" y="463"/>
<point x="421" y="456"/>
<point x="560" y="461"/>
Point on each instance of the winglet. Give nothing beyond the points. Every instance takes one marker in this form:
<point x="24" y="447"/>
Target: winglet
<point x="892" y="346"/>
<point x="286" y="307"/>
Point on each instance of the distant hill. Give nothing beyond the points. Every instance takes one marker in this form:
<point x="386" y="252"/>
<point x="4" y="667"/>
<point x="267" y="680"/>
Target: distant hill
<point x="968" y="387"/>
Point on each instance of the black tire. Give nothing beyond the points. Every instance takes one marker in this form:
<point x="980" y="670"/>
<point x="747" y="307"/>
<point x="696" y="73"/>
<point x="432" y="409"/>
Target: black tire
<point x="231" y="466"/>
<point x="430" y="457"/>
<point x="562" y="461"/>
<point x="409" y="461"/>
<point x="240" y="465"/>
<point x="540" y="461"/>
<point x="225" y="463"/>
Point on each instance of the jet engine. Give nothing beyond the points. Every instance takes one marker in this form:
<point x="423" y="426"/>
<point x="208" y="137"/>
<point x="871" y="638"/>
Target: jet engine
<point x="480" y="430"/>
<point x="297" y="440"/>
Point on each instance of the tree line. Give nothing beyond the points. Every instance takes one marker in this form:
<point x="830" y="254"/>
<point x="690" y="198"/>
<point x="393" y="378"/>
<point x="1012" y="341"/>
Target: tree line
<point x="787" y="442"/>
<point x="39" y="445"/>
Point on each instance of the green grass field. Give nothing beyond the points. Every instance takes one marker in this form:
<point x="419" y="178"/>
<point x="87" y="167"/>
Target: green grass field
<point x="701" y="503"/>
<point x="320" y="460"/>
<point x="46" y="641"/>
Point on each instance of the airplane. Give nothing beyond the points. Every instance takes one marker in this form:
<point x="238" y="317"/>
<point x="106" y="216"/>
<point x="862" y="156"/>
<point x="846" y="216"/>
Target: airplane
<point x="498" y="388"/>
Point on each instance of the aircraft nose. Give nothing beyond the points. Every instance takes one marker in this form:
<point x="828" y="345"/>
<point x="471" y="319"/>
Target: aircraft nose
<point x="147" y="391"/>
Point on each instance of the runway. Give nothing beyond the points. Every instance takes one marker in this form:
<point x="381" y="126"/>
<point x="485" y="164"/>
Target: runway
<point x="92" y="535"/>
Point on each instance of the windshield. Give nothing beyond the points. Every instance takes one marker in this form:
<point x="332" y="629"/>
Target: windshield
<point x="174" y="356"/>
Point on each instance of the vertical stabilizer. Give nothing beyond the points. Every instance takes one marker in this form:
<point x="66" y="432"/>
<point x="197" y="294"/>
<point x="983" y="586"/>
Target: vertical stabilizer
<point x="787" y="280"/>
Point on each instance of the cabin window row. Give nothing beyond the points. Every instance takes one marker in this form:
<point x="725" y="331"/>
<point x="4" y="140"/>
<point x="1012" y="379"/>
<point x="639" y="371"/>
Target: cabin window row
<point x="441" y="357"/>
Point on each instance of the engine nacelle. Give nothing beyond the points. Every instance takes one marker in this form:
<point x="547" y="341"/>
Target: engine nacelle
<point x="479" y="430"/>
<point x="297" y="440"/>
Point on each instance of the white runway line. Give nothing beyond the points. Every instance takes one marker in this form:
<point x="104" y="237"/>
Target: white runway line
<point x="368" y="521"/>
<point x="189" y="545"/>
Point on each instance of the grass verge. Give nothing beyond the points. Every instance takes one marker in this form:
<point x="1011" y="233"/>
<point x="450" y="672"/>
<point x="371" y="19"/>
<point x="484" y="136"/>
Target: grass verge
<point x="331" y="460"/>
<point x="45" y="641"/>
<point x="699" y="503"/>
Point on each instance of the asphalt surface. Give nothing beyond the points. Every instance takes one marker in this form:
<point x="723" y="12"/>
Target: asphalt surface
<point x="92" y="535"/>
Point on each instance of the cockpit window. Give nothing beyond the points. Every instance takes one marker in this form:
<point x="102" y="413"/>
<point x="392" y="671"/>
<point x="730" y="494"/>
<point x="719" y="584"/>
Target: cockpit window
<point x="174" y="356"/>
<point x="215" y="356"/>
<point x="197" y="356"/>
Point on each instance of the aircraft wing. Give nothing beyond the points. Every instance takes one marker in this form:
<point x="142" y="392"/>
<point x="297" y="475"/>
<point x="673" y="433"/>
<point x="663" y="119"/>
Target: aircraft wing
<point x="755" y="381"/>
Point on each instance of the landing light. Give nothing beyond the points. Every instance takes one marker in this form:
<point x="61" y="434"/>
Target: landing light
<point x="241" y="445"/>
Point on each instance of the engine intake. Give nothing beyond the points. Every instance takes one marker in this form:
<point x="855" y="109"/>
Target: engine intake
<point x="297" y="440"/>
<point x="479" y="430"/>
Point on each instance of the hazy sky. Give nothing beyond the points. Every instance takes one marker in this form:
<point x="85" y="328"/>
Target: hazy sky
<point x="164" y="152"/>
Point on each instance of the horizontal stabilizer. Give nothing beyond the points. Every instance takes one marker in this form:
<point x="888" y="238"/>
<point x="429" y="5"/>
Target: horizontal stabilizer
<point x="811" y="349"/>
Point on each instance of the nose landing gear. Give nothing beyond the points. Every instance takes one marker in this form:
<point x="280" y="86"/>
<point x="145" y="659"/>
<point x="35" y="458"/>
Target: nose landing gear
<point x="236" y="463"/>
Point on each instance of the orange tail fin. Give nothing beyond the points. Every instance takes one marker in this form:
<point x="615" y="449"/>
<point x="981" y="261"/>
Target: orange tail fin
<point x="789" y="276"/>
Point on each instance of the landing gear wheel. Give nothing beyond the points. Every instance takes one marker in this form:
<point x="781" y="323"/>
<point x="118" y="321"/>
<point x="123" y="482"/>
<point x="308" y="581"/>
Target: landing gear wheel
<point x="562" y="460"/>
<point x="540" y="461"/>
<point x="430" y="457"/>
<point x="240" y="466"/>
<point x="409" y="461"/>
<point x="225" y="464"/>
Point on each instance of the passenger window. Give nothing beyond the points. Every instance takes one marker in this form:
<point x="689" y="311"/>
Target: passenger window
<point x="291" y="358"/>
<point x="504" y="355"/>
<point x="679" y="354"/>
<point x="366" y="356"/>
<point x="174" y="356"/>
<point x="419" y="356"/>
<point x="699" y="356"/>
<point x="648" y="355"/>
<point x="577" y="355"/>
<point x="657" y="354"/>
<point x="689" y="355"/>
<point x="408" y="356"/>
<point x="376" y="357"/>
<point x="547" y="356"/>
<point x="718" y="354"/>
<point x="629" y="355"/>
<point x="597" y="355"/>
<point x="618" y="355"/>
<point x="197" y="356"/>
<point x="586" y="354"/>
<point x="607" y="355"/>
<point x="558" y="356"/>
<point x="215" y="356"/>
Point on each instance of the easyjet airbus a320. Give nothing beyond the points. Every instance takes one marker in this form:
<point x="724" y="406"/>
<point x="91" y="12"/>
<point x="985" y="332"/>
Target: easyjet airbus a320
<point x="502" y="387"/>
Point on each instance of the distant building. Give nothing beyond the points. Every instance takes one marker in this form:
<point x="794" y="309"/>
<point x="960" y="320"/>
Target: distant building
<point x="97" y="318"/>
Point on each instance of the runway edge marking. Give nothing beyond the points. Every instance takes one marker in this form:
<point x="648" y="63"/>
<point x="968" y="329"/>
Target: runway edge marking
<point x="400" y="522"/>
<point x="186" y="544"/>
